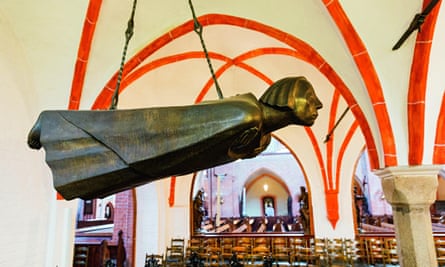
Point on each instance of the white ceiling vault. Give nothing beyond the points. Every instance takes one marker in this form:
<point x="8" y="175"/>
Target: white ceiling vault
<point x="343" y="47"/>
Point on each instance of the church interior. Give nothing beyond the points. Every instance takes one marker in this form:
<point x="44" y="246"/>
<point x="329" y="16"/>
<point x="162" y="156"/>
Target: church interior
<point x="361" y="185"/>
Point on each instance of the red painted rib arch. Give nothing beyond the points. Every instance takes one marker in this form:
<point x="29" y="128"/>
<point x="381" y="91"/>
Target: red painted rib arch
<point x="364" y="64"/>
<point x="417" y="87"/>
<point x="134" y="69"/>
<point x="439" y="144"/>
<point x="83" y="53"/>
<point x="301" y="50"/>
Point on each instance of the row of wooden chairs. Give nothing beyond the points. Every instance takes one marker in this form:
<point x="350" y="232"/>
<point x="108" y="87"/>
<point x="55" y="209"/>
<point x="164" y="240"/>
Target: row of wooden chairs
<point x="380" y="250"/>
<point x="244" y="250"/>
<point x="290" y="251"/>
<point x="293" y="251"/>
<point x="256" y="251"/>
<point x="174" y="255"/>
<point x="384" y="250"/>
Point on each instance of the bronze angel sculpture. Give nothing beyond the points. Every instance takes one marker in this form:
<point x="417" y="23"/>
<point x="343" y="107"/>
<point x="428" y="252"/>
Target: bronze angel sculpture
<point x="97" y="153"/>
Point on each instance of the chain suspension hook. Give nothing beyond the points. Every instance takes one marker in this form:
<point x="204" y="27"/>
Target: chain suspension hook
<point x="128" y="34"/>
<point x="198" y="30"/>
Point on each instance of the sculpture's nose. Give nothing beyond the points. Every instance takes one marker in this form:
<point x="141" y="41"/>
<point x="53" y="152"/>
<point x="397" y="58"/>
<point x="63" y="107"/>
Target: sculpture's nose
<point x="318" y="104"/>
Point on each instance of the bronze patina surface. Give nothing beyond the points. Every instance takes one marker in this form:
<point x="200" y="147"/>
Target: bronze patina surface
<point x="97" y="153"/>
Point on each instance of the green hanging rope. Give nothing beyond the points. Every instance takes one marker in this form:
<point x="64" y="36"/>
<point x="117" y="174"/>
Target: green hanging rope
<point x="198" y="30"/>
<point x="128" y="34"/>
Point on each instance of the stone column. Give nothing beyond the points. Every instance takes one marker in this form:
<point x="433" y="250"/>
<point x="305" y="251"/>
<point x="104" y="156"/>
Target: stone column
<point x="411" y="191"/>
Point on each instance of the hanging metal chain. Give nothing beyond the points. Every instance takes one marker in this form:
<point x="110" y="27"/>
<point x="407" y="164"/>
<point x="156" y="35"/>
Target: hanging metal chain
<point x="198" y="30"/>
<point x="128" y="34"/>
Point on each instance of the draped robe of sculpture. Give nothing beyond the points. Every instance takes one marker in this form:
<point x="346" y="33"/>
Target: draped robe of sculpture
<point x="97" y="153"/>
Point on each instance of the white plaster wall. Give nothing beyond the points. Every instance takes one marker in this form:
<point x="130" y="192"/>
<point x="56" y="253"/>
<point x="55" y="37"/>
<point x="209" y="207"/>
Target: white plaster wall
<point x="37" y="56"/>
<point x="345" y="227"/>
<point x="156" y="222"/>
<point x="148" y="207"/>
<point x="48" y="33"/>
<point x="37" y="230"/>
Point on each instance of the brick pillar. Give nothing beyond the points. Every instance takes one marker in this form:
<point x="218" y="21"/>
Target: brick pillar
<point x="411" y="191"/>
<point x="124" y="219"/>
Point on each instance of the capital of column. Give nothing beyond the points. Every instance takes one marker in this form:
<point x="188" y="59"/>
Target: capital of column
<point x="412" y="185"/>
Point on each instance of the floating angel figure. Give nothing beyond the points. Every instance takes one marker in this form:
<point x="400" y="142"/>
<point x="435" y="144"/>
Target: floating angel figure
<point x="97" y="153"/>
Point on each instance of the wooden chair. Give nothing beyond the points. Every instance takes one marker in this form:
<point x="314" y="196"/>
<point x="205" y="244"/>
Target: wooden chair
<point x="244" y="241"/>
<point x="259" y="254"/>
<point x="307" y="256"/>
<point x="439" y="242"/>
<point x="377" y="252"/>
<point x="361" y="251"/>
<point x="194" y="245"/>
<point x="392" y="256"/>
<point x="334" y="251"/>
<point x="352" y="252"/>
<point x="240" y="254"/>
<point x="295" y="244"/>
<point x="213" y="256"/>
<point x="174" y="256"/>
<point x="80" y="256"/>
<point x="210" y="242"/>
<point x="320" y="249"/>
<point x="177" y="242"/>
<point x="440" y="251"/>
<point x="260" y="241"/>
<point x="280" y="250"/>
<point x="308" y="253"/>
<point x="154" y="260"/>
<point x="226" y="245"/>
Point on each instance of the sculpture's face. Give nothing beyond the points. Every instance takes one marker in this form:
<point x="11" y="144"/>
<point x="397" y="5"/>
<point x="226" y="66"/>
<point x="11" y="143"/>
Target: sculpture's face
<point x="306" y="107"/>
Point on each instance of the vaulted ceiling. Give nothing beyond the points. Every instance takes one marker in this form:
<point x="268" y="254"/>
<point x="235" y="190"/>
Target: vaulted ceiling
<point x="344" y="48"/>
<point x="395" y="97"/>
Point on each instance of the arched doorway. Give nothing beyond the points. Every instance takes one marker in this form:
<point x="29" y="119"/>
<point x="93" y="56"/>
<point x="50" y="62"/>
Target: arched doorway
<point x="267" y="192"/>
<point x="236" y="196"/>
